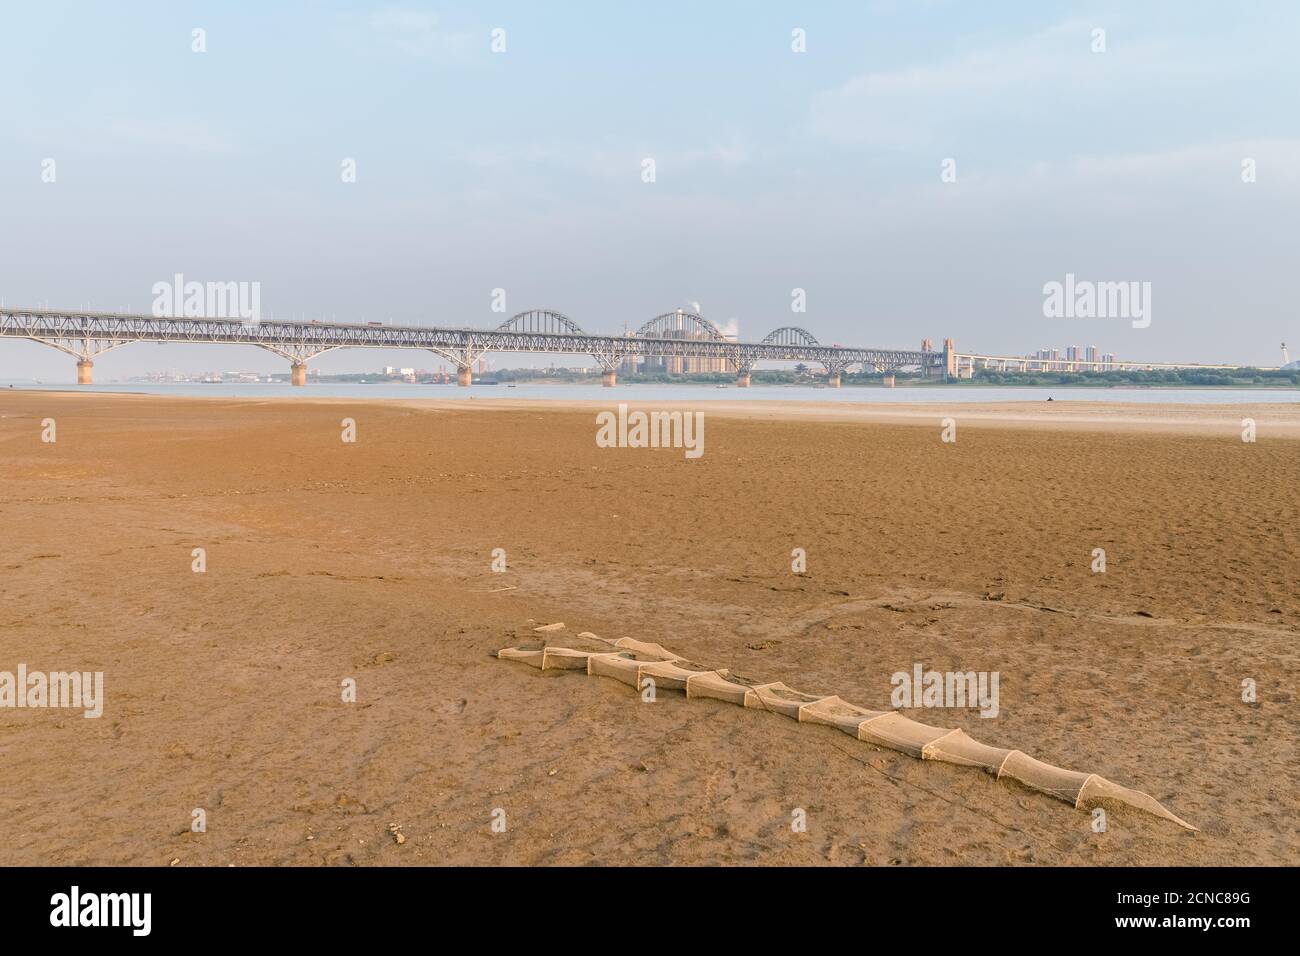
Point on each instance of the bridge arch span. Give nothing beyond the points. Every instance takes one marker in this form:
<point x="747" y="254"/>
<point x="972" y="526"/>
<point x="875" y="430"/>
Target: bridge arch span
<point x="680" y="321"/>
<point x="790" y="335"/>
<point x="541" y="321"/>
<point x="689" y="326"/>
<point x="545" y="322"/>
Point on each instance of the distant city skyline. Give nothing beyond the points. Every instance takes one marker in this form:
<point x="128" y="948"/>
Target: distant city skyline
<point x="916" y="171"/>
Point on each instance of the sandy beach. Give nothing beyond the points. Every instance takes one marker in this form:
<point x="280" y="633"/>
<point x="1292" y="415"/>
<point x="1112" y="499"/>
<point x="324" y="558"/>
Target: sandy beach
<point x="371" y="561"/>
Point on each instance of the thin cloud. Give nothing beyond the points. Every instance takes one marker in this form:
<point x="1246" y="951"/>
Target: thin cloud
<point x="914" y="105"/>
<point x="180" y="134"/>
<point x="418" y="33"/>
<point x="607" y="162"/>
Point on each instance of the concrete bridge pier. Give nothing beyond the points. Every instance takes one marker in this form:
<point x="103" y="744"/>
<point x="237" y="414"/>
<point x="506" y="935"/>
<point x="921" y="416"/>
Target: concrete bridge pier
<point x="742" y="380"/>
<point x="609" y="378"/>
<point x="888" y="380"/>
<point x="465" y="376"/>
<point x="85" y="372"/>
<point x="298" y="373"/>
<point x="834" y="370"/>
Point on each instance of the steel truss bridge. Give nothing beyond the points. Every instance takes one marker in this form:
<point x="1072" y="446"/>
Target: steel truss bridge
<point x="673" y="335"/>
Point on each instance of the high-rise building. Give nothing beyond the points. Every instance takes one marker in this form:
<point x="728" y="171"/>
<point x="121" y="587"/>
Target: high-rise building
<point x="717" y="363"/>
<point x="1077" y="358"/>
<point x="681" y="327"/>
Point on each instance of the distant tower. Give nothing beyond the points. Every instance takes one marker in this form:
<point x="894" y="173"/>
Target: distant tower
<point x="951" y="363"/>
<point x="1286" y="359"/>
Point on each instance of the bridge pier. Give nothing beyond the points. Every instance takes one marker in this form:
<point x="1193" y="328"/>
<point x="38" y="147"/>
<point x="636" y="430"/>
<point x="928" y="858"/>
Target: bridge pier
<point x="833" y="380"/>
<point x="609" y="378"/>
<point x="888" y="380"/>
<point x="85" y="372"/>
<point x="298" y="373"/>
<point x="742" y="380"/>
<point x="465" y="376"/>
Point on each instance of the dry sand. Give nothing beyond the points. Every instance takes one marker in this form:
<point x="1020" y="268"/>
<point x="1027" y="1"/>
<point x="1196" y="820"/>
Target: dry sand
<point x="372" y="560"/>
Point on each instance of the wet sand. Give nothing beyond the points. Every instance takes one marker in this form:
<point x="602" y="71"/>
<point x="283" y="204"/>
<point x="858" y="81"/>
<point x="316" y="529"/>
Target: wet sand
<point x="372" y="561"/>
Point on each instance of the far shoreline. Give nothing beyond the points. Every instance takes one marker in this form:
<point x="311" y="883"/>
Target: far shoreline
<point x="1221" y="420"/>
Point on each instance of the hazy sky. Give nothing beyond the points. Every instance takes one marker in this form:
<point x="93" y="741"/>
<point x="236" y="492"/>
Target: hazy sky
<point x="775" y="170"/>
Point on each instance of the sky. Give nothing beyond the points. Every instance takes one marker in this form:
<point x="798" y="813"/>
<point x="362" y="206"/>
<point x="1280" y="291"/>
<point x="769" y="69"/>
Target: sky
<point x="920" y="170"/>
